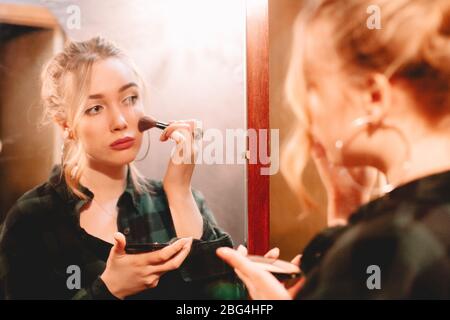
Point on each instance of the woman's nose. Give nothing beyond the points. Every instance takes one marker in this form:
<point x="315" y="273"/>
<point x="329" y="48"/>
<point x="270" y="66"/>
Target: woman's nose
<point x="118" y="121"/>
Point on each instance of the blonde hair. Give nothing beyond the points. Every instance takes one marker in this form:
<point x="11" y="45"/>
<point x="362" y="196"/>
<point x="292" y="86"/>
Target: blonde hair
<point x="413" y="44"/>
<point x="65" y="84"/>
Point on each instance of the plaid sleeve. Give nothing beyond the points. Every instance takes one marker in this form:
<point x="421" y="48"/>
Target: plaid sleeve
<point x="26" y="272"/>
<point x="22" y="267"/>
<point x="97" y="291"/>
<point x="203" y="267"/>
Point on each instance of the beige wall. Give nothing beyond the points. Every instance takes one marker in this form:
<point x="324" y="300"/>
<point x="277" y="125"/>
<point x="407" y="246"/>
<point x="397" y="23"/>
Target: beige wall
<point x="27" y="151"/>
<point x="290" y="231"/>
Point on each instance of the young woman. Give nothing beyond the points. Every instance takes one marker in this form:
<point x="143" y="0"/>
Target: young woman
<point x="374" y="97"/>
<point x="67" y="238"/>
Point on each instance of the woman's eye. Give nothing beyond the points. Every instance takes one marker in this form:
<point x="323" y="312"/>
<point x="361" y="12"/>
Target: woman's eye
<point x="131" y="100"/>
<point x="94" y="110"/>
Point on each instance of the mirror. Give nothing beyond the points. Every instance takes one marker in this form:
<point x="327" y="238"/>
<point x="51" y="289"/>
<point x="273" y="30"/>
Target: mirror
<point x="192" y="55"/>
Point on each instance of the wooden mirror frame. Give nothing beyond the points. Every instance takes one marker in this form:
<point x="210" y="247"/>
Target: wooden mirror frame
<point x="258" y="218"/>
<point x="257" y="55"/>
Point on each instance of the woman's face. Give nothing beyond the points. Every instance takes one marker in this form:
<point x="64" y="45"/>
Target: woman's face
<point x="332" y="113"/>
<point x="108" y="128"/>
<point x="333" y="104"/>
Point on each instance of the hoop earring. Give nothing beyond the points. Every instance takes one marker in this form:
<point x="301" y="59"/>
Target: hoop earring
<point x="148" y="148"/>
<point x="359" y="124"/>
<point x="366" y="123"/>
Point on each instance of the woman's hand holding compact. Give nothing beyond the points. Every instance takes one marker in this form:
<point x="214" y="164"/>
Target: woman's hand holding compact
<point x="128" y="274"/>
<point x="260" y="283"/>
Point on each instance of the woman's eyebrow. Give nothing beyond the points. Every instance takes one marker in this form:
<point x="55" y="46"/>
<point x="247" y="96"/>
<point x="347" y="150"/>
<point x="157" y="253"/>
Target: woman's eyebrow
<point x="122" y="88"/>
<point x="128" y="85"/>
<point x="96" y="96"/>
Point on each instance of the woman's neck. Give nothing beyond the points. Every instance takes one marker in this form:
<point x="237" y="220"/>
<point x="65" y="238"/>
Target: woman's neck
<point x="427" y="155"/>
<point x="106" y="182"/>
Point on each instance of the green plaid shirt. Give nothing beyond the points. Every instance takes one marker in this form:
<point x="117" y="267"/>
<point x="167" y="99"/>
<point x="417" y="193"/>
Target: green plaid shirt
<point x="41" y="238"/>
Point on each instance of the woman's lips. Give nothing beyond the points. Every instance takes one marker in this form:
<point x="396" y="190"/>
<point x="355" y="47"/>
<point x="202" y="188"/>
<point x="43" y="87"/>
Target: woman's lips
<point x="122" y="144"/>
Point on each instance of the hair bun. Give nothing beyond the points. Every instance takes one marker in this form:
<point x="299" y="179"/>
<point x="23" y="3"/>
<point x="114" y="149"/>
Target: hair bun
<point x="436" y="49"/>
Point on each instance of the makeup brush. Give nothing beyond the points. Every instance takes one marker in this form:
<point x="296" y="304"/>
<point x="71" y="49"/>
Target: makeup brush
<point x="148" y="122"/>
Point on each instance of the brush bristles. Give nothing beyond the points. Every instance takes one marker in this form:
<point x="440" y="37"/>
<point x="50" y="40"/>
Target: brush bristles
<point x="146" y="123"/>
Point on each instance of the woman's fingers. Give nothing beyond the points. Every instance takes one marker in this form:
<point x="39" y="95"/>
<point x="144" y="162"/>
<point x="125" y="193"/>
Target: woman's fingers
<point x="166" y="259"/>
<point x="321" y="162"/>
<point x="161" y="256"/>
<point x="260" y="283"/>
<point x="242" y="250"/>
<point x="294" y="289"/>
<point x="235" y="260"/>
<point x="273" y="253"/>
<point x="175" y="262"/>
<point x="152" y="281"/>
<point x="296" y="259"/>
<point x="119" y="243"/>
<point x="187" y="128"/>
<point x="318" y="151"/>
<point x="177" y="131"/>
<point x="239" y="262"/>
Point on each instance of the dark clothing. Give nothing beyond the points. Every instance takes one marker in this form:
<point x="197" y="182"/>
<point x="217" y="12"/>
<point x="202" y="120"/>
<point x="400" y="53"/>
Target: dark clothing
<point x="42" y="237"/>
<point x="405" y="233"/>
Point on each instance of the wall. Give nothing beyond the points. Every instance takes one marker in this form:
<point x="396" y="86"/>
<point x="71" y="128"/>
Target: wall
<point x="27" y="150"/>
<point x="291" y="229"/>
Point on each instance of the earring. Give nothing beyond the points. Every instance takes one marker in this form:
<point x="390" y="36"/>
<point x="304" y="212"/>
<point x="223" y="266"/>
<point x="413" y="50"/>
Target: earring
<point x="359" y="124"/>
<point x="148" y="148"/>
<point x="367" y="122"/>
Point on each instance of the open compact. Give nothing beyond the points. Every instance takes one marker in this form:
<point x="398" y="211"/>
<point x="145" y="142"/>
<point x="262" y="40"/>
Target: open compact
<point x="281" y="269"/>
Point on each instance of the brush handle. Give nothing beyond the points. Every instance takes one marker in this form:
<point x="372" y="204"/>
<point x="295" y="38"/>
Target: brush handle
<point x="161" y="125"/>
<point x="147" y="122"/>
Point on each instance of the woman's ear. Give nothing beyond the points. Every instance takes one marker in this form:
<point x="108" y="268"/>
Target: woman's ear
<point x="67" y="132"/>
<point x="377" y="97"/>
<point x="61" y="123"/>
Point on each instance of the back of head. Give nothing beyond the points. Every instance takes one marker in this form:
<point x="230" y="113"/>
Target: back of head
<point x="412" y="44"/>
